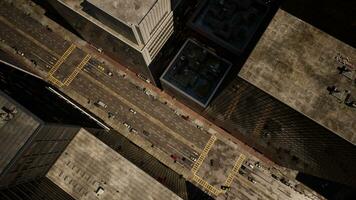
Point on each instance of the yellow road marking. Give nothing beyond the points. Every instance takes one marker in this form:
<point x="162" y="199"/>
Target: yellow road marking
<point x="203" y="154"/>
<point x="61" y="60"/>
<point x="77" y="70"/>
<point x="55" y="81"/>
<point x="211" y="189"/>
<point x="234" y="170"/>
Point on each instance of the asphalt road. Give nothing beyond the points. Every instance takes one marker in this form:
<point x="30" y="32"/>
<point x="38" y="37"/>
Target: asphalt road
<point x="152" y="119"/>
<point x="125" y="102"/>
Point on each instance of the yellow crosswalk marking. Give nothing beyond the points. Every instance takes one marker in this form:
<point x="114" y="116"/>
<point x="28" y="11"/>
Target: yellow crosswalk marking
<point x="234" y="170"/>
<point x="203" y="154"/>
<point x="77" y="70"/>
<point x="55" y="81"/>
<point x="211" y="189"/>
<point x="61" y="60"/>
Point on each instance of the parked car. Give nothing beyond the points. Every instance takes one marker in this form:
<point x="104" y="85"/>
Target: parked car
<point x="251" y="179"/>
<point x="257" y="164"/>
<point x="101" y="104"/>
<point x="194" y="159"/>
<point x="146" y="133"/>
<point x="128" y="126"/>
<point x="132" y="110"/>
<point x="101" y="68"/>
<point x="132" y="130"/>
<point x="111" y="115"/>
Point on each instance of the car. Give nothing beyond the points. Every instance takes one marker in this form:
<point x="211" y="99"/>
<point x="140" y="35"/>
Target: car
<point x="242" y="172"/>
<point x="142" y="77"/>
<point x="110" y="73"/>
<point x="195" y="153"/>
<point x="33" y="62"/>
<point x="274" y="176"/>
<point x="101" y="68"/>
<point x="191" y="157"/>
<point x="251" y="179"/>
<point x="100" y="50"/>
<point x="223" y="187"/>
<point x="146" y="133"/>
<point x="132" y="130"/>
<point x="250" y="165"/>
<point x="100" y="103"/>
<point x="257" y="164"/>
<point x="111" y="115"/>
<point x="20" y="53"/>
<point x="132" y="110"/>
<point x="128" y="126"/>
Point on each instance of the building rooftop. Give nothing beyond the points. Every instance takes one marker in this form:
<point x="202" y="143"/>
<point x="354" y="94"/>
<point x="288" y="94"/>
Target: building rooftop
<point x="196" y="72"/>
<point x="308" y="70"/>
<point x="231" y="23"/>
<point x="16" y="127"/>
<point x="126" y="11"/>
<point x="89" y="169"/>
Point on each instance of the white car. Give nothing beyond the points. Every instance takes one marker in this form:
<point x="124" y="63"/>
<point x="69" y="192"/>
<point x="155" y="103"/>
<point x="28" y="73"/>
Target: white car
<point x="132" y="110"/>
<point x="100" y="103"/>
<point x="133" y="130"/>
<point x="128" y="126"/>
<point x="192" y="158"/>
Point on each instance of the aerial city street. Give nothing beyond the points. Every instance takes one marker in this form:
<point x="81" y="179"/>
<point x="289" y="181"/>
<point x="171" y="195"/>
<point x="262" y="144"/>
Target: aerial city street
<point x="176" y="99"/>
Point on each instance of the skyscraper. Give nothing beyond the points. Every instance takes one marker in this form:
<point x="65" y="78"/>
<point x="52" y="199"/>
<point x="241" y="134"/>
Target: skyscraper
<point x="42" y="188"/>
<point x="294" y="100"/>
<point x="35" y="126"/>
<point x="195" y="74"/>
<point x="131" y="32"/>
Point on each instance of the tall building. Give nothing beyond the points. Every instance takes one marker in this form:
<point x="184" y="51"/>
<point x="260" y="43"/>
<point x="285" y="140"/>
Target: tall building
<point x="294" y="100"/>
<point x="35" y="126"/>
<point x="132" y="32"/>
<point x="194" y="75"/>
<point x="119" y="170"/>
<point x="42" y="188"/>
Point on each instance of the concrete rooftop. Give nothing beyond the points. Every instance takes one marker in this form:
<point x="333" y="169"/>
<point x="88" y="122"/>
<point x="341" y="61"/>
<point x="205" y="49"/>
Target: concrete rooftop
<point x="296" y="62"/>
<point x="127" y="11"/>
<point x="15" y="132"/>
<point x="88" y="165"/>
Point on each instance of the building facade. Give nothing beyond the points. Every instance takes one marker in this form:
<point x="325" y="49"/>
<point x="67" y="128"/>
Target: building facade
<point x="35" y="126"/>
<point x="38" y="189"/>
<point x="281" y="103"/>
<point x="132" y="35"/>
